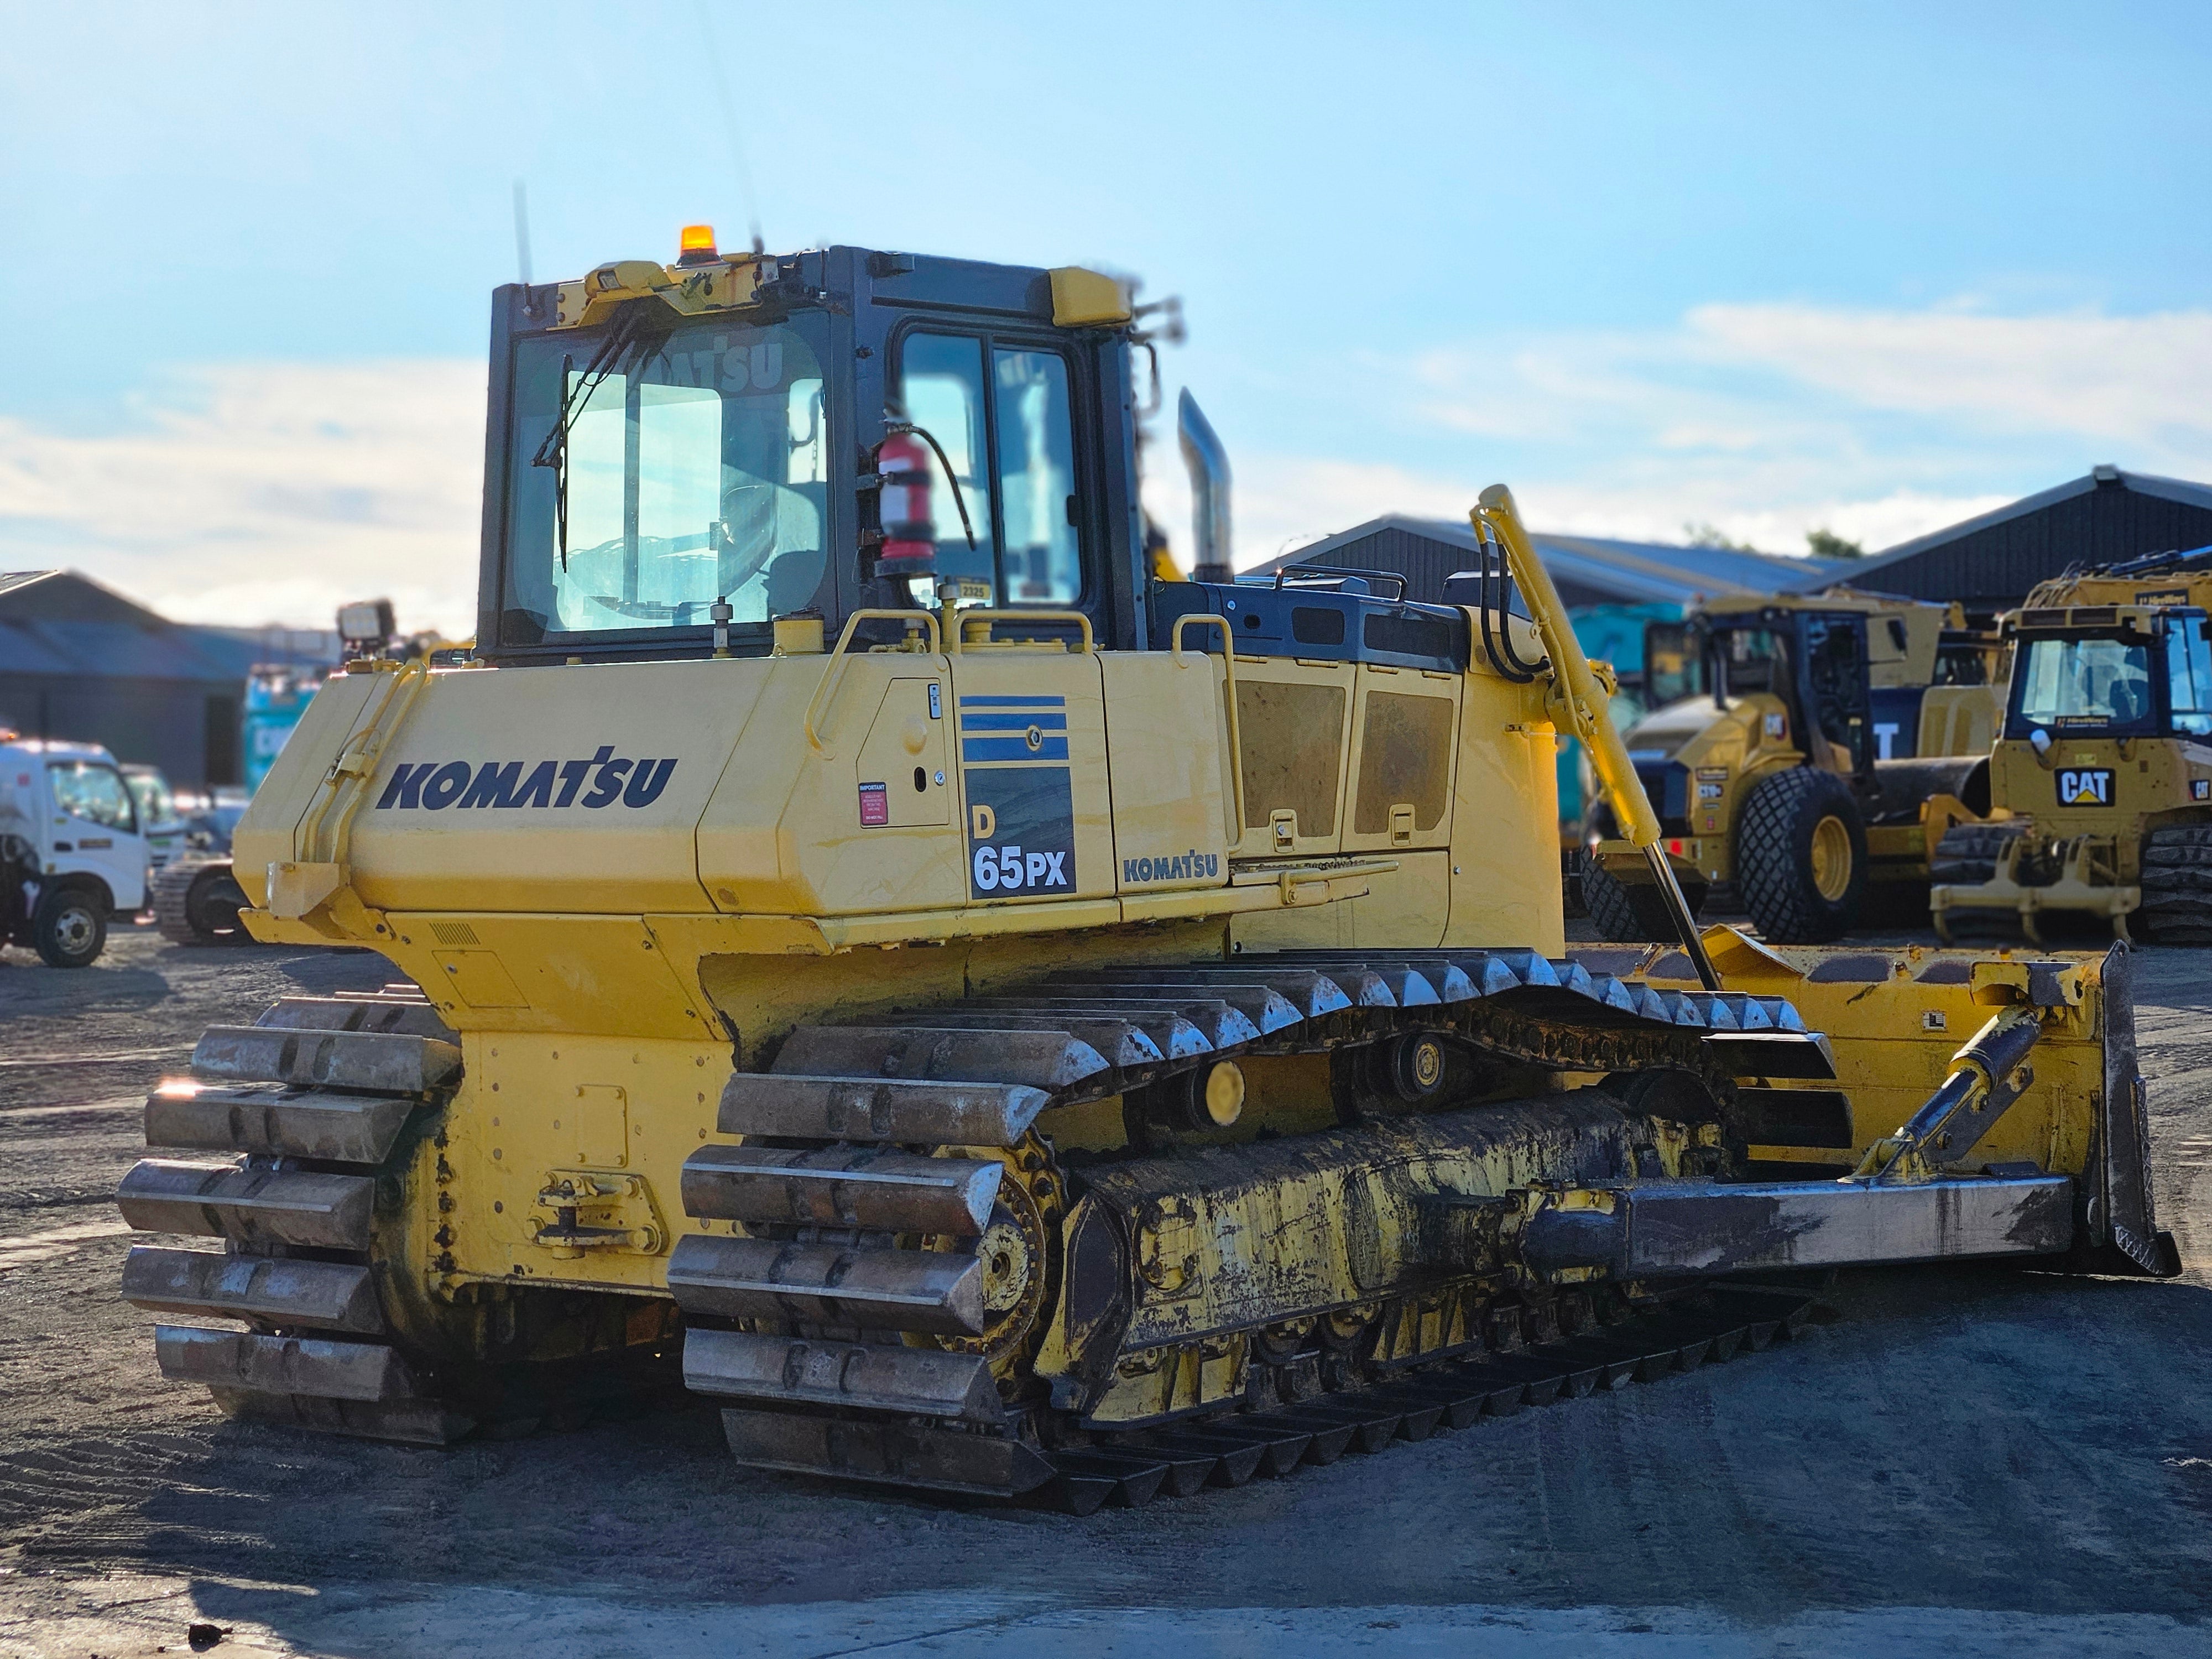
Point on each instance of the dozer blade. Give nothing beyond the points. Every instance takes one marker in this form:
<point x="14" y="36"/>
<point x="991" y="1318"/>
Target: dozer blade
<point x="391" y="1062"/>
<point x="333" y="1296"/>
<point x="865" y="1186"/>
<point x="930" y="1290"/>
<point x="253" y="1206"/>
<point x="276" y="1120"/>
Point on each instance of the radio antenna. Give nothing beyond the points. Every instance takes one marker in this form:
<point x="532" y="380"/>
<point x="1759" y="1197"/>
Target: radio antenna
<point x="522" y="231"/>
<point x="729" y="126"/>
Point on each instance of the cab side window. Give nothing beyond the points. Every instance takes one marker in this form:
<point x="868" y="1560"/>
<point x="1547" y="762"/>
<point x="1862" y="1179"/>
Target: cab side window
<point x="2189" y="674"/>
<point x="1041" y="560"/>
<point x="1001" y="414"/>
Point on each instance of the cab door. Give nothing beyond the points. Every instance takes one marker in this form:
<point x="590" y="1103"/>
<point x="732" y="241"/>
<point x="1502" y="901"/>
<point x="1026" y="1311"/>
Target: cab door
<point x="1835" y="684"/>
<point x="96" y="829"/>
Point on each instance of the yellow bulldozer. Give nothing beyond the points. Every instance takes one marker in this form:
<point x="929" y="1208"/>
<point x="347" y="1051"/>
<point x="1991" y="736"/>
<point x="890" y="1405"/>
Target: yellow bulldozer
<point x="1834" y="737"/>
<point x="2100" y="785"/>
<point x="871" y="954"/>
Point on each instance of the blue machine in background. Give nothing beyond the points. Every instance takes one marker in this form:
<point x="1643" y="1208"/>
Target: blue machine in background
<point x="1614" y="633"/>
<point x="274" y="699"/>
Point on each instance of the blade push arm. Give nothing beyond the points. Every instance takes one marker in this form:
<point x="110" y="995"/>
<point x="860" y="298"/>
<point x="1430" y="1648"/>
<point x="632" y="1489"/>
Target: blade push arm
<point x="1582" y="703"/>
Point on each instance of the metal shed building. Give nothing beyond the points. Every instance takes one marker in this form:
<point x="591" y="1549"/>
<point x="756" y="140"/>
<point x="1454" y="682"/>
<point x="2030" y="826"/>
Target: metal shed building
<point x="80" y="661"/>
<point x="1588" y="570"/>
<point x="1989" y="563"/>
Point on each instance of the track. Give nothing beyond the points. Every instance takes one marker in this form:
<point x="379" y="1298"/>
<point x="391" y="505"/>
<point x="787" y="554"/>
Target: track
<point x="1709" y="1327"/>
<point x="894" y="1244"/>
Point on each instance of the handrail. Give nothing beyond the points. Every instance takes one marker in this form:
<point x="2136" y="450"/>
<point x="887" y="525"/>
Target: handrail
<point x="372" y="756"/>
<point x="358" y="758"/>
<point x="839" y="655"/>
<point x="1228" y="698"/>
<point x="1286" y="576"/>
<point x="1020" y="614"/>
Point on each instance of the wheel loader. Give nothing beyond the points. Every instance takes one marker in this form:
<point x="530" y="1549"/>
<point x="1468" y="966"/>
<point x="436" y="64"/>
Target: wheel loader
<point x="1837" y="737"/>
<point x="2101" y="784"/>
<point x="869" y="954"/>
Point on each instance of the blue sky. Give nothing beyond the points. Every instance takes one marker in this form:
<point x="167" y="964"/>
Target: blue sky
<point x="1766" y="267"/>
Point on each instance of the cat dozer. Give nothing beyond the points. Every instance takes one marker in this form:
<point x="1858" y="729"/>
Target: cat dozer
<point x="995" y="1021"/>
<point x="2100" y="782"/>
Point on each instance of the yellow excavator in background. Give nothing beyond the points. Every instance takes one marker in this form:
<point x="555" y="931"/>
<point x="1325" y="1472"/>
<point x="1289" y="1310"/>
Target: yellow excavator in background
<point x="872" y="955"/>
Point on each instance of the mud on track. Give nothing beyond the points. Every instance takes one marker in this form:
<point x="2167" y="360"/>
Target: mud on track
<point x="1966" y="1461"/>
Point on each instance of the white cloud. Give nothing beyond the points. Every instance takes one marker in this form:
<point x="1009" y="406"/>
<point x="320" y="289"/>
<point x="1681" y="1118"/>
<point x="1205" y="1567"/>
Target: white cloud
<point x="256" y="493"/>
<point x="271" y="492"/>
<point x="1764" y="420"/>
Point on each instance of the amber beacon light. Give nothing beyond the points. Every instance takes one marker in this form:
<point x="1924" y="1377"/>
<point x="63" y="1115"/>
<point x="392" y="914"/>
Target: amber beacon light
<point x="696" y="246"/>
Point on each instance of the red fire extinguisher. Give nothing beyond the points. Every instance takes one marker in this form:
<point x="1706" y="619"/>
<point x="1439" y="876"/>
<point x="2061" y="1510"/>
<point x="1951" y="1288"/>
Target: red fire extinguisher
<point x="909" y="546"/>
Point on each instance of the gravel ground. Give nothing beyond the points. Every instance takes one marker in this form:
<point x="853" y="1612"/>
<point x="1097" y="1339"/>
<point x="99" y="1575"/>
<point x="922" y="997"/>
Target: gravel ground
<point x="1972" y="1461"/>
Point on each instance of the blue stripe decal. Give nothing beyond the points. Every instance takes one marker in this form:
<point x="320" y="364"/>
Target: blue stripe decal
<point x="1044" y="722"/>
<point x="1013" y="702"/>
<point x="1011" y="749"/>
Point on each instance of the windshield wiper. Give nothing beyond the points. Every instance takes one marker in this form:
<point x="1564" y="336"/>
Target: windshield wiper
<point x="629" y="331"/>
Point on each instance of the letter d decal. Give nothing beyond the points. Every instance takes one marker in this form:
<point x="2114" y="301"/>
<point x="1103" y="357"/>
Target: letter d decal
<point x="983" y="823"/>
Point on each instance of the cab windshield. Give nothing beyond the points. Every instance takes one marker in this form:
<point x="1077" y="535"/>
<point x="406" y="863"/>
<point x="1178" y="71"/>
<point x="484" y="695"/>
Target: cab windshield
<point x="692" y="465"/>
<point x="92" y="794"/>
<point x="2085" y="682"/>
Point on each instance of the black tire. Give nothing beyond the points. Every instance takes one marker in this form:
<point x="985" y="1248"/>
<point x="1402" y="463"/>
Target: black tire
<point x="70" y="927"/>
<point x="1628" y="915"/>
<point x="1967" y="855"/>
<point x="197" y="902"/>
<point x="2177" y="886"/>
<point x="1790" y="819"/>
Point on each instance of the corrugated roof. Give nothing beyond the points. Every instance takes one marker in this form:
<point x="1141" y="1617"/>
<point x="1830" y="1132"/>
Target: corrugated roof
<point x="1649" y="572"/>
<point x="2143" y="484"/>
<point x="62" y="623"/>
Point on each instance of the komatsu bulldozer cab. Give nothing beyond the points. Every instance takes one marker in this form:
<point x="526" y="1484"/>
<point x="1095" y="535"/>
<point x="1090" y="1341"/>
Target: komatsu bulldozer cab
<point x="675" y="448"/>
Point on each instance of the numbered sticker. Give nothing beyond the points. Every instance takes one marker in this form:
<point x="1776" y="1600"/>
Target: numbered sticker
<point x="1021" y="832"/>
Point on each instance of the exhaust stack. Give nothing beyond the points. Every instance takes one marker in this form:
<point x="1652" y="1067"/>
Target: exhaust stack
<point x="1202" y="452"/>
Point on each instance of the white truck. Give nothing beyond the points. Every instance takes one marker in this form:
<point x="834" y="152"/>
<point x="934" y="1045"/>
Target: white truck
<point x="72" y="848"/>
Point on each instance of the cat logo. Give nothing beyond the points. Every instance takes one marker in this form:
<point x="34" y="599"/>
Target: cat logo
<point x="2086" y="786"/>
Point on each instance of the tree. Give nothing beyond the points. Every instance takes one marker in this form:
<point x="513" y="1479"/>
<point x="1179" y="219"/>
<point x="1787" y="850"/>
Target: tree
<point x="1825" y="544"/>
<point x="1700" y="534"/>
